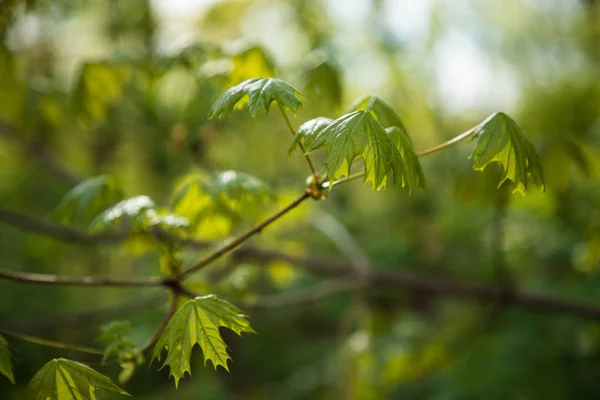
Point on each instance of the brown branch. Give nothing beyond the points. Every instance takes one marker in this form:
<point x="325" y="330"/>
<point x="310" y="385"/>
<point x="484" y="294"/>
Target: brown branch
<point x="311" y="294"/>
<point x="380" y="275"/>
<point x="72" y="235"/>
<point x="469" y="291"/>
<point x="242" y="238"/>
<point x="59" y="232"/>
<point x="49" y="279"/>
<point x="39" y="153"/>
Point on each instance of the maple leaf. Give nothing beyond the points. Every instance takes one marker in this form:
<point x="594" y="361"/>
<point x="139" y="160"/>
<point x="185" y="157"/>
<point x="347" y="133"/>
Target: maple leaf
<point x="381" y="110"/>
<point x="308" y="131"/>
<point x="359" y="133"/>
<point x="198" y="322"/>
<point x="88" y="198"/>
<point x="499" y="139"/>
<point x="69" y="380"/>
<point x="261" y="93"/>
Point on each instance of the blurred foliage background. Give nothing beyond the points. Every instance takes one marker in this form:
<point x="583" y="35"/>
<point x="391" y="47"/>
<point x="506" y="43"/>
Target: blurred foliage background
<point x="124" y="87"/>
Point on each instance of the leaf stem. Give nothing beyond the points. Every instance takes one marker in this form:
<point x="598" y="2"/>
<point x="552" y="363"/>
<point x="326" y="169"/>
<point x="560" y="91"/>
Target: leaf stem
<point x="51" y="343"/>
<point x="163" y="324"/>
<point x="448" y="143"/>
<point x="242" y="238"/>
<point x="293" y="131"/>
<point x="421" y="153"/>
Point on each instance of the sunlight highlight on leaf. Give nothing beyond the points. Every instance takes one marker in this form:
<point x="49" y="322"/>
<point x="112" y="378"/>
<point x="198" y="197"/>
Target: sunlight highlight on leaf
<point x="261" y="93"/>
<point x="360" y="134"/>
<point x="499" y="139"/>
<point x="62" y="379"/>
<point x="89" y="198"/>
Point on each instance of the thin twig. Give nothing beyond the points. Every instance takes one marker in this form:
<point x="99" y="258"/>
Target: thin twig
<point x="390" y="276"/>
<point x="49" y="279"/>
<point x="242" y="238"/>
<point x="59" y="232"/>
<point x="72" y="235"/>
<point x="51" y="343"/>
<point x="448" y="143"/>
<point x="293" y="131"/>
<point x="163" y="324"/>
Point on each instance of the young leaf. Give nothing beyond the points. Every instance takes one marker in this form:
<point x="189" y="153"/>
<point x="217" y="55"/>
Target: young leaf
<point x="114" y="336"/>
<point x="360" y="134"/>
<point x="89" y="198"/>
<point x="261" y="93"/>
<point x="409" y="158"/>
<point x="308" y="131"/>
<point x="239" y="188"/>
<point x="323" y="81"/>
<point x="132" y="209"/>
<point x="6" y="367"/>
<point x="381" y="110"/>
<point x="62" y="379"/>
<point x="500" y="139"/>
<point x="198" y="322"/>
<point x="231" y="194"/>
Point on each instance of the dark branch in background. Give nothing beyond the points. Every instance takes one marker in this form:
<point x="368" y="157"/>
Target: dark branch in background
<point x="60" y="232"/>
<point x="77" y="236"/>
<point x="39" y="153"/>
<point x="311" y="294"/>
<point x="382" y="276"/>
<point x="88" y="319"/>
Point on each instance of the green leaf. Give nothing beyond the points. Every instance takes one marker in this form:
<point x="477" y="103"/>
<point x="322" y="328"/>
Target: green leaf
<point x="413" y="170"/>
<point x="89" y="198"/>
<point x="261" y="93"/>
<point x="360" y="134"/>
<point x="62" y="379"/>
<point x="308" y="131"/>
<point x="6" y="367"/>
<point x="381" y="110"/>
<point x="323" y="81"/>
<point x="231" y="194"/>
<point x="132" y="210"/>
<point x="198" y="322"/>
<point x="240" y="188"/>
<point x="501" y="140"/>
<point x="100" y="85"/>
<point x="114" y="336"/>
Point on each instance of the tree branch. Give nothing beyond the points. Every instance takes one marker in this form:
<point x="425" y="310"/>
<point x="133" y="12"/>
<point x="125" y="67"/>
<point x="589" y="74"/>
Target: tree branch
<point x="311" y="294"/>
<point x="59" y="232"/>
<point x="381" y="275"/>
<point x="49" y="279"/>
<point x="163" y="324"/>
<point x="242" y="238"/>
